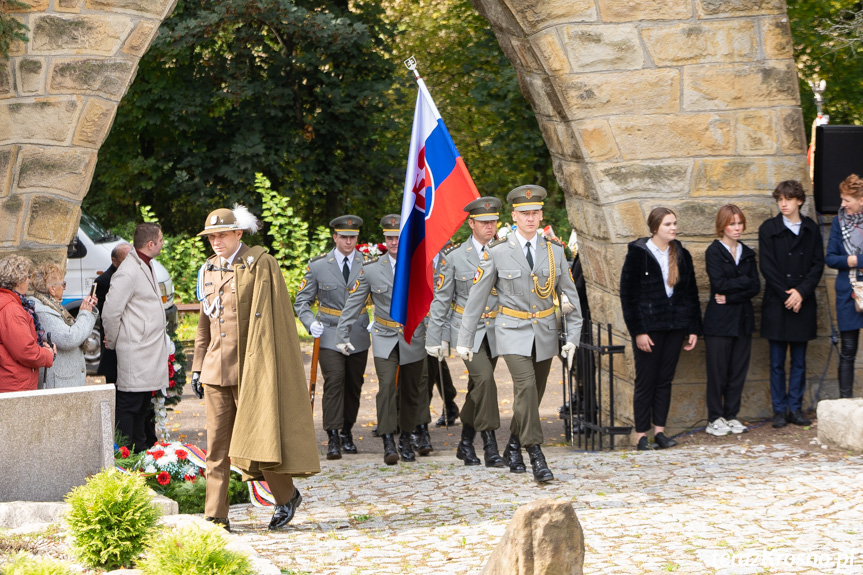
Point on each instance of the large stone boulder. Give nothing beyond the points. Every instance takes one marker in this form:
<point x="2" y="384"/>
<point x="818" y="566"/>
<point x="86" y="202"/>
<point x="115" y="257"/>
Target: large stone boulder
<point x="840" y="424"/>
<point x="543" y="538"/>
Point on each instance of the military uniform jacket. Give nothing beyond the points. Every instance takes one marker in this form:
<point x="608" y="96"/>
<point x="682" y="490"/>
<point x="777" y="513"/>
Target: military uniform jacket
<point x="216" y="352"/>
<point x="452" y="287"/>
<point x="506" y="270"/>
<point x="324" y="281"/>
<point x="377" y="279"/>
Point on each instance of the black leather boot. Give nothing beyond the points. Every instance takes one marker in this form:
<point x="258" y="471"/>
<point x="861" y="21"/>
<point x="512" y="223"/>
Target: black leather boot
<point x="347" y="439"/>
<point x="424" y="446"/>
<point x="512" y="455"/>
<point x="391" y="456"/>
<point x="334" y="447"/>
<point x="541" y="472"/>
<point x="450" y="417"/>
<point x="465" y="450"/>
<point x="489" y="448"/>
<point x="847" y="354"/>
<point x="405" y="449"/>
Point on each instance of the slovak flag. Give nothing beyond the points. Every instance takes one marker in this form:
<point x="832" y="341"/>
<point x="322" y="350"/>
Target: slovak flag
<point x="437" y="188"/>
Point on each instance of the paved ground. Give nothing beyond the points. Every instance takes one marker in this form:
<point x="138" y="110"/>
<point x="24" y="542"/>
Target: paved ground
<point x="768" y="501"/>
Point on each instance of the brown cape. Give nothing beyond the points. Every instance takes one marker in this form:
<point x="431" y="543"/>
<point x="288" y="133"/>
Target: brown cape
<point x="273" y="430"/>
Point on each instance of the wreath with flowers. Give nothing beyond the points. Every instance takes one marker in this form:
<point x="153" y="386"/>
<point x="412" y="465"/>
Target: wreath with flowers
<point x="169" y="462"/>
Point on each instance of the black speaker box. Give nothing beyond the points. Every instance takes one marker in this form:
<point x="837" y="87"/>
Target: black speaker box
<point x="838" y="154"/>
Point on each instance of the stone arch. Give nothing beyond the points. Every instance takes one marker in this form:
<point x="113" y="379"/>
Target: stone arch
<point x="690" y="104"/>
<point x="59" y="94"/>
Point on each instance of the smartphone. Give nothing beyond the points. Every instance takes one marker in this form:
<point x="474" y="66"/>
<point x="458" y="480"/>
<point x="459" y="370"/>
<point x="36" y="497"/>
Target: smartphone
<point x="48" y="339"/>
<point x="93" y="290"/>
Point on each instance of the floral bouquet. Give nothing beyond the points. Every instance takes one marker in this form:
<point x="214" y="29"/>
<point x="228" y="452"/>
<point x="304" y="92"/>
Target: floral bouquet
<point x="372" y="250"/>
<point x="168" y="462"/>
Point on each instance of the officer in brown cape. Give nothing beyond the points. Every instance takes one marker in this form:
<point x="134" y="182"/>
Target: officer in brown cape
<point x="249" y="370"/>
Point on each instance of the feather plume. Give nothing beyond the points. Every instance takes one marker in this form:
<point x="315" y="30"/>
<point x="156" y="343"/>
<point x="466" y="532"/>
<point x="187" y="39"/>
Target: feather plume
<point x="245" y="219"/>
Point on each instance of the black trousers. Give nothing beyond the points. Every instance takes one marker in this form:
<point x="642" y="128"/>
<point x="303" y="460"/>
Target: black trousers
<point x="847" y="355"/>
<point x="130" y="416"/>
<point x="343" y="387"/>
<point x="727" y="365"/>
<point x="434" y="376"/>
<point x="654" y="372"/>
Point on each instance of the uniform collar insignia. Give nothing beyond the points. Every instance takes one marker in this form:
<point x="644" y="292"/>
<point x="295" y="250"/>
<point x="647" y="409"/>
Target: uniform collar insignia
<point x="249" y="260"/>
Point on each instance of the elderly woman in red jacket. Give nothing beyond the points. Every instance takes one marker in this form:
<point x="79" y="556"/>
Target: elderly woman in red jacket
<point x="22" y="351"/>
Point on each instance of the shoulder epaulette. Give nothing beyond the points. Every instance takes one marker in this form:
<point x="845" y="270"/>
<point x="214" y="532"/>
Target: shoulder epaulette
<point x="320" y="257"/>
<point x="497" y="242"/>
<point x="451" y="248"/>
<point x="554" y="241"/>
<point x="371" y="261"/>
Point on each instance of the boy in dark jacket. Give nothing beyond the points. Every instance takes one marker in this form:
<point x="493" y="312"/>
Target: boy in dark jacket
<point x="792" y="260"/>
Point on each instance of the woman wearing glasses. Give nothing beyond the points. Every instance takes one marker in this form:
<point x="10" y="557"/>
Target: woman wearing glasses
<point x="67" y="332"/>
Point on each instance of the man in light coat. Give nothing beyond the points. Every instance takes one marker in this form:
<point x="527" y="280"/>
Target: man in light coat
<point x="329" y="279"/>
<point x="402" y="399"/>
<point x="134" y="322"/>
<point x="530" y="274"/>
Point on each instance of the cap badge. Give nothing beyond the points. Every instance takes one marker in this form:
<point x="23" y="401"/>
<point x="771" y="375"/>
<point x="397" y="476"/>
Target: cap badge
<point x="350" y="222"/>
<point x="392" y="221"/>
<point x="214" y="219"/>
<point x="528" y="194"/>
<point x="487" y="205"/>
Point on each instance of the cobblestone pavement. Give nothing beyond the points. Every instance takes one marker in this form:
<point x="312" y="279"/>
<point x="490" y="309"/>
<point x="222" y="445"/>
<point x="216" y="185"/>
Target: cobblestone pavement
<point x="772" y="508"/>
<point x="769" y="508"/>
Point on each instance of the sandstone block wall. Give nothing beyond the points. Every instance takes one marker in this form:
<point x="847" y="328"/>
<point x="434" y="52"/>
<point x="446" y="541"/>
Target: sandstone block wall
<point x="689" y="104"/>
<point x="59" y="93"/>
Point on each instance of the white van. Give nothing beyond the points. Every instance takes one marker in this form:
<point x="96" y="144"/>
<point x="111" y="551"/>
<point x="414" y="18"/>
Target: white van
<point x="89" y="254"/>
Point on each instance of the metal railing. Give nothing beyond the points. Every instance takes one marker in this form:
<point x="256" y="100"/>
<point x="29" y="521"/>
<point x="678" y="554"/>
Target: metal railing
<point x="584" y="412"/>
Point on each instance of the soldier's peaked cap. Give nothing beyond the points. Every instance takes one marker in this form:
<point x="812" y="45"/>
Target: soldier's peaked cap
<point x="347" y="225"/>
<point x="485" y="209"/>
<point x="390" y="224"/>
<point x="527" y="198"/>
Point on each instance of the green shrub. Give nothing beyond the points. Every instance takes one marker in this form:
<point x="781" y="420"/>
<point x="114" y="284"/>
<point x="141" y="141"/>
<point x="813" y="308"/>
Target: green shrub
<point x="23" y="564"/>
<point x="110" y="519"/>
<point x="193" y="550"/>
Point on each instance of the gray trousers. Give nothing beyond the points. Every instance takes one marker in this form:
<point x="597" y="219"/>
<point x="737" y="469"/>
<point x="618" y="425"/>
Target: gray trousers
<point x="528" y="386"/>
<point x="408" y="406"/>
<point x="480" y="409"/>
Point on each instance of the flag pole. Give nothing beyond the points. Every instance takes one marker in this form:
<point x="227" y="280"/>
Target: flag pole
<point x="411" y="64"/>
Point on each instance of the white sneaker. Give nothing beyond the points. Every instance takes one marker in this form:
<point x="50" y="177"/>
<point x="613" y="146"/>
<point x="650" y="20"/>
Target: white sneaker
<point x="736" y="427"/>
<point x="718" y="428"/>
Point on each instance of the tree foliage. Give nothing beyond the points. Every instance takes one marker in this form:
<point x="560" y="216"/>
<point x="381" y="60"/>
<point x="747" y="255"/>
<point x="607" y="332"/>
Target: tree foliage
<point x="821" y="48"/>
<point x="234" y="87"/>
<point x="11" y="29"/>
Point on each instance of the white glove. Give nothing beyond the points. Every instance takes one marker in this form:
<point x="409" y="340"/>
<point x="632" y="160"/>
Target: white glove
<point x="466" y="353"/>
<point x="316" y="329"/>
<point x="435" y="351"/>
<point x="371" y="327"/>
<point x="567" y="351"/>
<point x="345" y="348"/>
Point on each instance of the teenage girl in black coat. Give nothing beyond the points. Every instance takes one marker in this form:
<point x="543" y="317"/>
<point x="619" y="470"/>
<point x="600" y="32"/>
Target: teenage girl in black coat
<point x="659" y="298"/>
<point x="729" y="320"/>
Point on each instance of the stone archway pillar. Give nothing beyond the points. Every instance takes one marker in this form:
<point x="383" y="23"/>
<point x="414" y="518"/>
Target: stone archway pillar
<point x="59" y="93"/>
<point x="689" y="104"/>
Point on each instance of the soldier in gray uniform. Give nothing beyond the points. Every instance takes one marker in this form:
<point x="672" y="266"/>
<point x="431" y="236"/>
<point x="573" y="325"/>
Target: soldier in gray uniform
<point x="404" y="407"/>
<point x="329" y="279"/>
<point x="452" y="286"/>
<point x="530" y="273"/>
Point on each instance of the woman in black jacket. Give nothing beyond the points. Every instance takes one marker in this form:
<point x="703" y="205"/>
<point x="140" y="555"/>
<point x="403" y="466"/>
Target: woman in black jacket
<point x="659" y="298"/>
<point x="728" y="320"/>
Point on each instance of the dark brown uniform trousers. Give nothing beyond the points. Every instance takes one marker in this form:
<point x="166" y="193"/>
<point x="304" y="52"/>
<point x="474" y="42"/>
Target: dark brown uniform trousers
<point x="221" y="404"/>
<point x="343" y="386"/>
<point x="406" y="407"/>
<point x="480" y="409"/>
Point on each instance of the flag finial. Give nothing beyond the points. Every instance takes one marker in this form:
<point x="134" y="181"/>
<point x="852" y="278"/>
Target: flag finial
<point x="411" y="64"/>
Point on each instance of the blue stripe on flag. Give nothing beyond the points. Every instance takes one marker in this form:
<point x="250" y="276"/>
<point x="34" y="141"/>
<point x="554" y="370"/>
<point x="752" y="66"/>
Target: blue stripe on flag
<point x="440" y="153"/>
